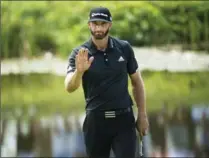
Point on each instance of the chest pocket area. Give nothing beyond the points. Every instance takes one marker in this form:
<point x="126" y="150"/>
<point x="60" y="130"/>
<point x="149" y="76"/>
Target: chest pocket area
<point x="120" y="64"/>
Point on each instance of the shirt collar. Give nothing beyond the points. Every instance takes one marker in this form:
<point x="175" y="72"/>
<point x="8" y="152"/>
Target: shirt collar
<point x="109" y="46"/>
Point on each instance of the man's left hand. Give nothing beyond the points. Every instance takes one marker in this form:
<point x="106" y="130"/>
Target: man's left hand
<point x="142" y="124"/>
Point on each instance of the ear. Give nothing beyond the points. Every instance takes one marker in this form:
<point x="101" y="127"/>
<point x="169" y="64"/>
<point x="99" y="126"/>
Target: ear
<point x="89" y="25"/>
<point x="110" y="25"/>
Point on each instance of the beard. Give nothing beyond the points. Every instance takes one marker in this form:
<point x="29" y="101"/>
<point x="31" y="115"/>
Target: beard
<point x="99" y="35"/>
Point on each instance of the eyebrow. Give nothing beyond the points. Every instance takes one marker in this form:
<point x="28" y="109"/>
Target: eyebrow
<point x="101" y="22"/>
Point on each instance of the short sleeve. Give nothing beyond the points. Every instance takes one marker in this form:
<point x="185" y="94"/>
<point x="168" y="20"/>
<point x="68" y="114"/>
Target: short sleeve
<point x="71" y="61"/>
<point x="132" y="64"/>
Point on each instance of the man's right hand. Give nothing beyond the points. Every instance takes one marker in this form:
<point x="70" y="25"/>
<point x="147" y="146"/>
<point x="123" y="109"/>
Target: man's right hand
<point x="82" y="62"/>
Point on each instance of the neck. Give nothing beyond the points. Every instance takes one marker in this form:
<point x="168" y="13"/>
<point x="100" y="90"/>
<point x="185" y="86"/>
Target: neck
<point x="101" y="44"/>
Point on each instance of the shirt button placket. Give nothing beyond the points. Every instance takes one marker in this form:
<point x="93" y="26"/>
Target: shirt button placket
<point x="105" y="57"/>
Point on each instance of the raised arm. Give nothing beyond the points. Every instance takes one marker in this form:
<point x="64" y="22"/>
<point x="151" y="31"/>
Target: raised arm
<point x="78" y="64"/>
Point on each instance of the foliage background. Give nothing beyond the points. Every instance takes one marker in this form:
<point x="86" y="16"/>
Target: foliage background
<point x="29" y="28"/>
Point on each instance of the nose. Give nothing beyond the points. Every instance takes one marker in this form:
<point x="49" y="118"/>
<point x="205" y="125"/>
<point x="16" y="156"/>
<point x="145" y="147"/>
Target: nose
<point x="98" y="27"/>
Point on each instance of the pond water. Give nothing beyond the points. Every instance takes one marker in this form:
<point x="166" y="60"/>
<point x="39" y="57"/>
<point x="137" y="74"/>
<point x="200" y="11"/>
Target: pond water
<point x="148" y="58"/>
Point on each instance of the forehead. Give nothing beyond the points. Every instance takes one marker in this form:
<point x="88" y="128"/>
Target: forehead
<point x="99" y="22"/>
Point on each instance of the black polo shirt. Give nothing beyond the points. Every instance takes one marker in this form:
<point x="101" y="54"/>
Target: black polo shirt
<point x="105" y="83"/>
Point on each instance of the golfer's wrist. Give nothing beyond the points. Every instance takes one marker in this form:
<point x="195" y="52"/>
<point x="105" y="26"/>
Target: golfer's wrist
<point x="79" y="73"/>
<point x="142" y="113"/>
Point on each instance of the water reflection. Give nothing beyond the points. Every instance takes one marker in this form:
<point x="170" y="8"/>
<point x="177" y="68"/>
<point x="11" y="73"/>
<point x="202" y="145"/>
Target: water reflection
<point x="61" y="136"/>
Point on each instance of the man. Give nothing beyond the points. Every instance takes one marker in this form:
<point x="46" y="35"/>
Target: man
<point x="102" y="64"/>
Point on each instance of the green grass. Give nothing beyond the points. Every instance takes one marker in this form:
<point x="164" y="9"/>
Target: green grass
<point x="48" y="94"/>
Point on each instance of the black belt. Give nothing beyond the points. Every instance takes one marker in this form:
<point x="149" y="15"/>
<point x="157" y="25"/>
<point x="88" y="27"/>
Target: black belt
<point x="114" y="113"/>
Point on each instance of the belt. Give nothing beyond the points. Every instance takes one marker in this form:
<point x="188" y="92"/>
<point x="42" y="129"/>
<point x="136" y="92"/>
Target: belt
<point x="114" y="113"/>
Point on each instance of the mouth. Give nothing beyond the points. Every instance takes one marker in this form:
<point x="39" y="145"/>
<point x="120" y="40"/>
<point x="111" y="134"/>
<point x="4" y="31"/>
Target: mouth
<point x="99" y="33"/>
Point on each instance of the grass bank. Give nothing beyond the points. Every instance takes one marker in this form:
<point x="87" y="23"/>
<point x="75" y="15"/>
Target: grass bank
<point x="47" y="91"/>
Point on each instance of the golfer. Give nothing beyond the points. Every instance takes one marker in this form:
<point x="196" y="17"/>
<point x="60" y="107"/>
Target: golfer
<point x="102" y="65"/>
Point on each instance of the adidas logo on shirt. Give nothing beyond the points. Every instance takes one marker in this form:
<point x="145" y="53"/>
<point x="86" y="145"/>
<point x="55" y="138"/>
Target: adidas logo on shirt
<point x="121" y="59"/>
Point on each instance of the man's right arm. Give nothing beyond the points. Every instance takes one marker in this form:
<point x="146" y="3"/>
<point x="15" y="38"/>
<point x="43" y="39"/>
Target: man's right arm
<point x="73" y="78"/>
<point x="78" y="64"/>
<point x="73" y="81"/>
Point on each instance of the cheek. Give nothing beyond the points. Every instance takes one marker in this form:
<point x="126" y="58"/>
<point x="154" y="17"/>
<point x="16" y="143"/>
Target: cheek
<point x="106" y="29"/>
